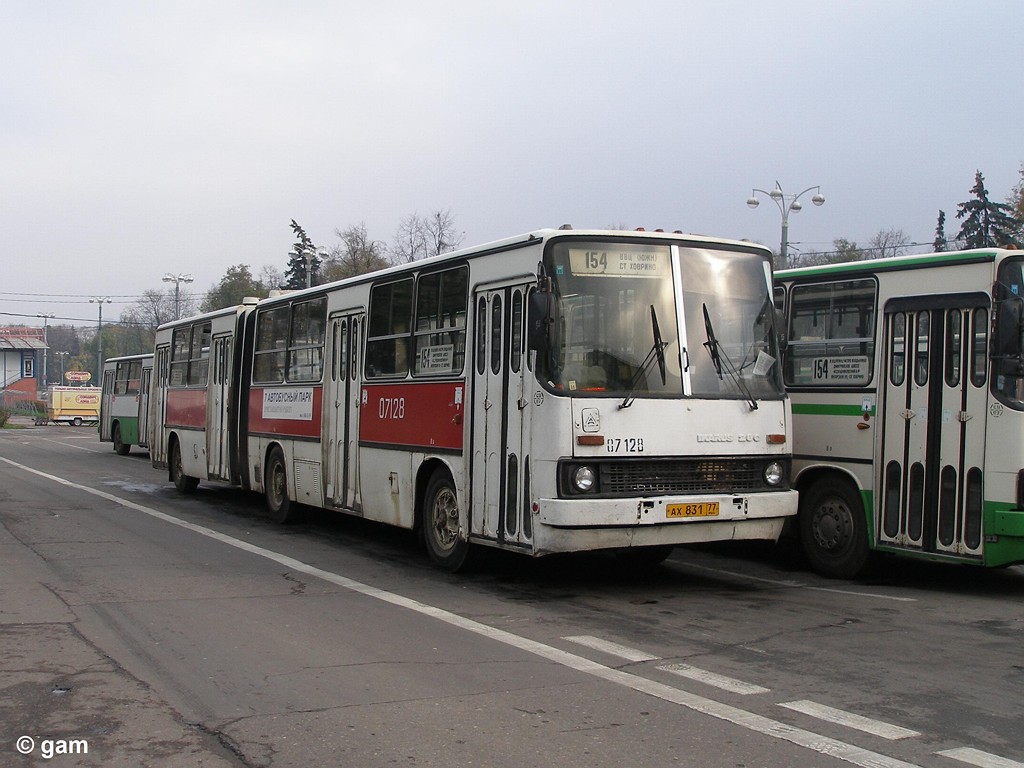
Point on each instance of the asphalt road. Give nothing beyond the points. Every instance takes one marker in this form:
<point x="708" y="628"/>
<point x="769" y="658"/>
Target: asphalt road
<point x="158" y="629"/>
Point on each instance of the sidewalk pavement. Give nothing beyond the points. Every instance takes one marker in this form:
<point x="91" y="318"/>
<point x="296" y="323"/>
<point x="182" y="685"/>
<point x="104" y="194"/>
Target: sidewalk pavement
<point x="59" y="692"/>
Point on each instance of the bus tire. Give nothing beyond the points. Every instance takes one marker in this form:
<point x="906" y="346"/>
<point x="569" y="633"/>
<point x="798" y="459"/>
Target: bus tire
<point x="184" y="483"/>
<point x="442" y="533"/>
<point x="119" y="447"/>
<point x="834" y="530"/>
<point x="282" y="510"/>
<point x="77" y="421"/>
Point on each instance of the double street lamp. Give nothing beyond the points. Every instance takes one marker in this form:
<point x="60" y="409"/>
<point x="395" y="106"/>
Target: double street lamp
<point x="100" y="300"/>
<point x="177" y="280"/>
<point x="786" y="203"/>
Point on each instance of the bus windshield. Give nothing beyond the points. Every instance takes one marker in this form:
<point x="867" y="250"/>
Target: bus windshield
<point x="654" y="320"/>
<point x="1008" y="339"/>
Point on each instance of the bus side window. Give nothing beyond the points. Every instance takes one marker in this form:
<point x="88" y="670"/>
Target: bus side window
<point x="306" y="346"/>
<point x="271" y="343"/>
<point x="898" y="349"/>
<point x="979" y="346"/>
<point x="387" y="337"/>
<point x="440" y="326"/>
<point x="831" y="334"/>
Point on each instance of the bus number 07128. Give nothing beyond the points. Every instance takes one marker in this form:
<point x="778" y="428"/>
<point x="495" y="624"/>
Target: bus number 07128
<point x="391" y="408"/>
<point x="625" y="445"/>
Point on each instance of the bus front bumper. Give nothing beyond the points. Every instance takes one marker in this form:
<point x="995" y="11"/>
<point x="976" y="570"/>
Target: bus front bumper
<point x="567" y="525"/>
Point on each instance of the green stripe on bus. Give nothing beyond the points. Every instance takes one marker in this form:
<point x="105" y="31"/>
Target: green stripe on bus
<point x="885" y="265"/>
<point x="825" y="409"/>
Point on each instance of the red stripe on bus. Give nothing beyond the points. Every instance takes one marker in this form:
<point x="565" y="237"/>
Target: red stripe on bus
<point x="186" y="408"/>
<point x="421" y="415"/>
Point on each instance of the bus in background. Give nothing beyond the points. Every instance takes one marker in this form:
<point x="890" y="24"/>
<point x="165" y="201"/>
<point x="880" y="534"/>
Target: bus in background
<point x="907" y="381"/>
<point x="554" y="392"/>
<point x="124" y="401"/>
<point x="193" y="419"/>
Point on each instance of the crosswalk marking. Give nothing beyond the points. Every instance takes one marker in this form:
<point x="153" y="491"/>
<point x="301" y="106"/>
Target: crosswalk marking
<point x="850" y="720"/>
<point x="622" y="651"/>
<point x="979" y="758"/>
<point x="711" y="678"/>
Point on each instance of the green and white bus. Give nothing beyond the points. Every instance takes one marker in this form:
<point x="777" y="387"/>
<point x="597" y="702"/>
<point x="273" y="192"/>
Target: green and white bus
<point x="124" y="401"/>
<point x="906" y="377"/>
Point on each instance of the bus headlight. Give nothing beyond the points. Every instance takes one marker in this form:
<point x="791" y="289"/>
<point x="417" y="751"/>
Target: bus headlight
<point x="584" y="479"/>
<point x="773" y="473"/>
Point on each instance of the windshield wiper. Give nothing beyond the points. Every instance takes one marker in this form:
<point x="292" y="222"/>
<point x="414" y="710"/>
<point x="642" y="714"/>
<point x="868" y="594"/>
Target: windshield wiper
<point x="657" y="353"/>
<point x="717" y="352"/>
<point x="712" y="343"/>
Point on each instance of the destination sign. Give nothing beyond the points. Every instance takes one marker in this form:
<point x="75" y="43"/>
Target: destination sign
<point x="636" y="261"/>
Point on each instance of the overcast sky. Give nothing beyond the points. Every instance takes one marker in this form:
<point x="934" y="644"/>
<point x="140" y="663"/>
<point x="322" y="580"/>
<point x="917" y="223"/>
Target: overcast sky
<point x="140" y="138"/>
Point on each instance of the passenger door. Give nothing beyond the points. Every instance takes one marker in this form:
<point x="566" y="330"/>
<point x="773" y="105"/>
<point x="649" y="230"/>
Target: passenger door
<point x="157" y="405"/>
<point x="934" y="404"/>
<point x="106" y="406"/>
<point x="341" y="413"/>
<point x="499" y="470"/>
<point x="218" y="435"/>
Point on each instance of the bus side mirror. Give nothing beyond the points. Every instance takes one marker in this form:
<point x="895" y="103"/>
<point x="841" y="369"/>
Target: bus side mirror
<point x="540" y="317"/>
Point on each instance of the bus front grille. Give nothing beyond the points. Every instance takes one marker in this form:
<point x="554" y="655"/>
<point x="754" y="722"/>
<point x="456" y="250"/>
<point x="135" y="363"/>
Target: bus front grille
<point x="685" y="476"/>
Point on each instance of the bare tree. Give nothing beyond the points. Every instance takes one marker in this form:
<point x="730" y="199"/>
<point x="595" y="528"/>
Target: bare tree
<point x="842" y="250"/>
<point x="156" y="307"/>
<point x="271" y="278"/>
<point x="441" y="234"/>
<point x="888" y="242"/>
<point x="356" y="254"/>
<point x="421" y="237"/>
<point x="409" y="244"/>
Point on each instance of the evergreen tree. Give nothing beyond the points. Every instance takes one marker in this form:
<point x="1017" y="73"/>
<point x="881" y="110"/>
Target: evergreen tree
<point x="302" y="251"/>
<point x="940" y="243"/>
<point x="1016" y="203"/>
<point x="986" y="224"/>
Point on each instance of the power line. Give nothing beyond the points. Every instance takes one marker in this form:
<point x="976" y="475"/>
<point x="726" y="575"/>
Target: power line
<point x="90" y="320"/>
<point x="70" y="298"/>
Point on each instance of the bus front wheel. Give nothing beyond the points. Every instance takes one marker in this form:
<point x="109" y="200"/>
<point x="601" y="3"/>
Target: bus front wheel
<point x="833" y="530"/>
<point x="282" y="509"/>
<point x="442" y="530"/>
<point x="184" y="483"/>
<point x="119" y="447"/>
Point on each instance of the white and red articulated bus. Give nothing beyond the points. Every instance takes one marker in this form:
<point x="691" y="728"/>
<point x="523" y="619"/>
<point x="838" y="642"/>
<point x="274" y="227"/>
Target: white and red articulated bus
<point x="554" y="392"/>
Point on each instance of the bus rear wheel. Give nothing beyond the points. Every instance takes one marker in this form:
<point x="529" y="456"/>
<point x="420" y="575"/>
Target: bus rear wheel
<point x="442" y="530"/>
<point x="184" y="483"/>
<point x="281" y="509"/>
<point x="119" y="447"/>
<point x="833" y="530"/>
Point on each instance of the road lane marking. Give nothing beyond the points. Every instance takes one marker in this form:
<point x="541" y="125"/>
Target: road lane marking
<point x="614" y="649"/>
<point x="850" y="720"/>
<point x="730" y="684"/>
<point x="979" y="758"/>
<point x="753" y="722"/>
<point x="796" y="584"/>
<point x="68" y="445"/>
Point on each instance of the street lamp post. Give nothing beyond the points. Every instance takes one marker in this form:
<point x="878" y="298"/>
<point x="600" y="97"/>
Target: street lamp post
<point x="99" y="300"/>
<point x="46" y="316"/>
<point x="786" y="203"/>
<point x="307" y="256"/>
<point x="62" y="356"/>
<point x="177" y="280"/>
